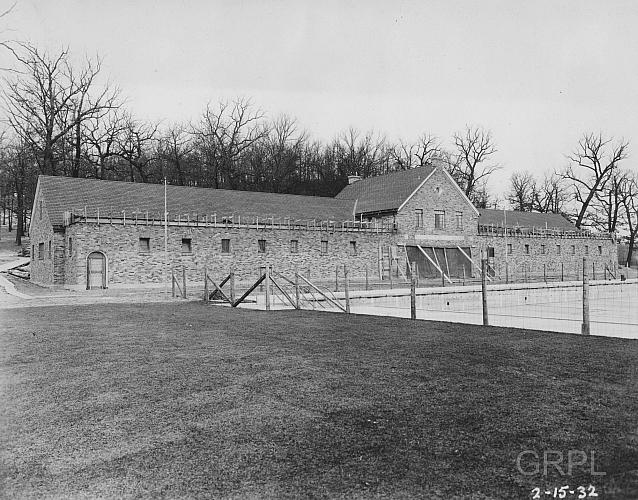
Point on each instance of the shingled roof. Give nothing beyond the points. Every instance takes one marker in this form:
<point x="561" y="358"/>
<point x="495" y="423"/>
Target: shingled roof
<point x="74" y="194"/>
<point x="385" y="193"/>
<point x="512" y="218"/>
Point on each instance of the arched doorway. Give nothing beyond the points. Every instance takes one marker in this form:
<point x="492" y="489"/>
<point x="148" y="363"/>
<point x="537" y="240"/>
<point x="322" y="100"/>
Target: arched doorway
<point x="96" y="270"/>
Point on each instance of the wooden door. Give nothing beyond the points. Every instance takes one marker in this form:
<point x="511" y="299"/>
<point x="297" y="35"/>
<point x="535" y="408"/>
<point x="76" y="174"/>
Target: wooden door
<point x="96" y="271"/>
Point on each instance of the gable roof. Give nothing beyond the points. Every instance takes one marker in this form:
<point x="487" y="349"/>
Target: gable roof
<point x="385" y="192"/>
<point x="512" y="218"/>
<point x="74" y="194"/>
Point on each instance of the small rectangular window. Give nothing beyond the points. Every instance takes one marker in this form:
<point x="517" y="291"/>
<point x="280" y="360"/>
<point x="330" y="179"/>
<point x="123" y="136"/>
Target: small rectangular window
<point x="145" y="245"/>
<point x="70" y="246"/>
<point x="459" y="220"/>
<point x="353" y="248"/>
<point x="439" y="219"/>
<point x="261" y="246"/>
<point x="294" y="246"/>
<point x="419" y="217"/>
<point x="49" y="249"/>
<point x="509" y="249"/>
<point x="225" y="245"/>
<point x="543" y="249"/>
<point x="558" y="249"/>
<point x="600" y="250"/>
<point x="490" y="252"/>
<point x="187" y="245"/>
<point x="586" y="249"/>
<point x="324" y="247"/>
<point x="40" y="251"/>
<point x="527" y="249"/>
<point x="573" y="249"/>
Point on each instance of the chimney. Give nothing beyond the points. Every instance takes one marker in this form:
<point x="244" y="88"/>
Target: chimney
<point x="353" y="178"/>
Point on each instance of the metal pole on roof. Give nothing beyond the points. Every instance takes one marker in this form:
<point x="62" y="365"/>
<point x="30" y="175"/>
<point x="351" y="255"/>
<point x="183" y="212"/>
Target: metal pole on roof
<point x="165" y="241"/>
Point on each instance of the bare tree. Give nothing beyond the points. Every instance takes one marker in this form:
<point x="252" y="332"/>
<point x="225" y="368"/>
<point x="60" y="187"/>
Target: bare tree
<point x="223" y="135"/>
<point x="472" y="166"/>
<point x="175" y="149"/>
<point x="551" y="194"/>
<point x="45" y="99"/>
<point x="608" y="203"/>
<point x="137" y="147"/>
<point x="409" y="155"/>
<point x="592" y="165"/>
<point x="630" y="209"/>
<point x="522" y="193"/>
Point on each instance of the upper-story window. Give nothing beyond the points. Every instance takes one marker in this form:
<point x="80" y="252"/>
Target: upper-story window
<point x="353" y="248"/>
<point x="261" y="246"/>
<point x="419" y="217"/>
<point x="225" y="245"/>
<point x="294" y="246"/>
<point x="324" y="247"/>
<point x="558" y="249"/>
<point x="145" y="245"/>
<point x="187" y="245"/>
<point x="439" y="219"/>
<point x="458" y="216"/>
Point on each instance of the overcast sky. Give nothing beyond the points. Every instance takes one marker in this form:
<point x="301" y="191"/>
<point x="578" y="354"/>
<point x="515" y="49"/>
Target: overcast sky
<point x="536" y="73"/>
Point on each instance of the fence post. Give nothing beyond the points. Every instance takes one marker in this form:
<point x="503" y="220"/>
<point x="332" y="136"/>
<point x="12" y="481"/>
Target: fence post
<point x="267" y="284"/>
<point x="507" y="275"/>
<point x="205" y="285"/>
<point x="184" y="281"/>
<point x="173" y="281"/>
<point x="390" y="274"/>
<point x="585" y="326"/>
<point x="562" y="271"/>
<point x="346" y="288"/>
<point x="297" y="288"/>
<point x="486" y="321"/>
<point x="336" y="278"/>
<point x="367" y="283"/>
<point x="231" y="283"/>
<point x="413" y="298"/>
<point x="593" y="270"/>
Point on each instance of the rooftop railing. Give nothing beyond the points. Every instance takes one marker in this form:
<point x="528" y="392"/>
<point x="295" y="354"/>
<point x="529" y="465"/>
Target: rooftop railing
<point x="536" y="232"/>
<point x="96" y="216"/>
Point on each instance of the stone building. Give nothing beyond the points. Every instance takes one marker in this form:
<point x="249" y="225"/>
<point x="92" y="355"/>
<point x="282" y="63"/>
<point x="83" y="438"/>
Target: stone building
<point x="89" y="233"/>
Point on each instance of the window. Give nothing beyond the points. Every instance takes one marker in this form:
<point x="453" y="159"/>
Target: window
<point x="527" y="249"/>
<point x="324" y="247"/>
<point x="145" y="245"/>
<point x="509" y="249"/>
<point x="49" y="256"/>
<point x="294" y="246"/>
<point x="573" y="249"/>
<point x="586" y="249"/>
<point x="558" y="249"/>
<point x="40" y="251"/>
<point x="419" y="218"/>
<point x="439" y="219"/>
<point x="70" y="246"/>
<point x="187" y="245"/>
<point x="353" y="248"/>
<point x="600" y="250"/>
<point x="459" y="220"/>
<point x="225" y="245"/>
<point x="543" y="249"/>
<point x="261" y="246"/>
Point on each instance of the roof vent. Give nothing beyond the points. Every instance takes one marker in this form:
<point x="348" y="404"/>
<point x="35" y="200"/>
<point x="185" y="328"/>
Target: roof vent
<point x="353" y="178"/>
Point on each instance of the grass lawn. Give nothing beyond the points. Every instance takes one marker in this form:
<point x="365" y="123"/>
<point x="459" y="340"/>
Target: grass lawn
<point x="193" y="400"/>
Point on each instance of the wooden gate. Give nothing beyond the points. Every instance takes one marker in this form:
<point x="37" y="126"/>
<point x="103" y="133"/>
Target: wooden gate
<point x="96" y="271"/>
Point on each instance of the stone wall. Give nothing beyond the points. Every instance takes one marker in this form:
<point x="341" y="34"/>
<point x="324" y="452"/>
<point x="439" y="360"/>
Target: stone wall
<point x="127" y="264"/>
<point x="542" y="255"/>
<point x="42" y="237"/>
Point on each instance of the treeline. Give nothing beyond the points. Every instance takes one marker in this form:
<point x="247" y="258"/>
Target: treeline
<point x="64" y="118"/>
